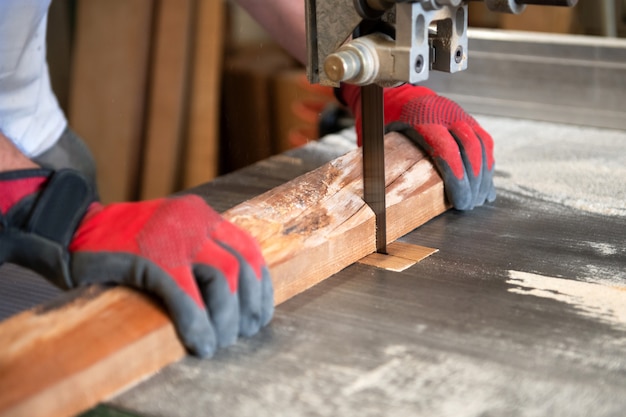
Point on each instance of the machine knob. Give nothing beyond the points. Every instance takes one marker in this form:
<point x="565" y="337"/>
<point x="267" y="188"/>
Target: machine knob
<point x="342" y="66"/>
<point x="359" y="60"/>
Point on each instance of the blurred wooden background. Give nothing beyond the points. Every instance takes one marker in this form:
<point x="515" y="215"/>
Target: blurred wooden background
<point x="170" y="93"/>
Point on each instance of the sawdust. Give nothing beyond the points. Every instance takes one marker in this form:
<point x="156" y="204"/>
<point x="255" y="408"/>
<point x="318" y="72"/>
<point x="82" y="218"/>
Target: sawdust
<point x="579" y="167"/>
<point x="602" y="302"/>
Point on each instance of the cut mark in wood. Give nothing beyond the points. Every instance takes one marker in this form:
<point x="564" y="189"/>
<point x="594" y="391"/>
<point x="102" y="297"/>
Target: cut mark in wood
<point x="400" y="256"/>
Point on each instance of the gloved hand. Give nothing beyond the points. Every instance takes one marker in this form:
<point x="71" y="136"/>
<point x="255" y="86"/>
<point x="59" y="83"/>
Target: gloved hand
<point x="210" y="275"/>
<point x="460" y="149"/>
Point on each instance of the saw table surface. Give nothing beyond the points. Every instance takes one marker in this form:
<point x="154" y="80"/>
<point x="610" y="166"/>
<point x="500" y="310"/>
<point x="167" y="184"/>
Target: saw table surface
<point x="522" y="312"/>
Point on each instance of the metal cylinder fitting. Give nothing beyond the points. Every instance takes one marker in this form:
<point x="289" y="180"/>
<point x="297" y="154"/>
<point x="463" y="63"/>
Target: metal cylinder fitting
<point x="361" y="61"/>
<point x="342" y="65"/>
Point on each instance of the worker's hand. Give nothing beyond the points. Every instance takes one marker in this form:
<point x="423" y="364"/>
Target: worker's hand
<point x="210" y="275"/>
<point x="461" y="150"/>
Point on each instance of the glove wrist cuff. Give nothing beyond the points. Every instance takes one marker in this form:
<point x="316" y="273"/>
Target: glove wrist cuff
<point x="36" y="231"/>
<point x="60" y="206"/>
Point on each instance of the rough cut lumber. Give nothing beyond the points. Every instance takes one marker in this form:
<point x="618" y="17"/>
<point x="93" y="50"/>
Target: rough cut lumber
<point x="318" y="224"/>
<point x="66" y="358"/>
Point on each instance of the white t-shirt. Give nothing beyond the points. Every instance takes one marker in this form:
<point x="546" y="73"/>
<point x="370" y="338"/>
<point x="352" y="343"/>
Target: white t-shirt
<point x="30" y="115"/>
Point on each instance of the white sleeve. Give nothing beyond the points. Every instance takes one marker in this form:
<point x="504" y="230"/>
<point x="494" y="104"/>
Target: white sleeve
<point x="29" y="113"/>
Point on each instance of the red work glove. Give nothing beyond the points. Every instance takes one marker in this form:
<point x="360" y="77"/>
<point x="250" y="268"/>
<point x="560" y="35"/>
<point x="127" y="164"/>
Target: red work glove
<point x="209" y="274"/>
<point x="460" y="149"/>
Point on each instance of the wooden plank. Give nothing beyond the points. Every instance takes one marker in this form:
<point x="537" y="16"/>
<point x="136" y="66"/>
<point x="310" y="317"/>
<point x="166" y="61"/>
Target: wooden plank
<point x="59" y="361"/>
<point x="321" y="216"/>
<point x="167" y="97"/>
<point x="108" y="88"/>
<point x="202" y="147"/>
<point x="62" y="360"/>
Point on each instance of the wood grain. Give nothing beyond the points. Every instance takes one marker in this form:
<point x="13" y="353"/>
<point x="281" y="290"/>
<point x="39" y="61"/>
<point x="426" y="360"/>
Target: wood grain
<point x="202" y="147"/>
<point x="66" y="359"/>
<point x="60" y="361"/>
<point x="318" y="224"/>
<point x="166" y="105"/>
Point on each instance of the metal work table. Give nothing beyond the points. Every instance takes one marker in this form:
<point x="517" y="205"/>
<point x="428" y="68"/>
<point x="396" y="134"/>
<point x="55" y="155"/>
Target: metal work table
<point x="521" y="312"/>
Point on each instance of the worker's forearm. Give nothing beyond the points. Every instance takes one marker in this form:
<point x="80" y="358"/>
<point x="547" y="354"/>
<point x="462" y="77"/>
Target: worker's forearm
<point x="284" y="21"/>
<point x="11" y="158"/>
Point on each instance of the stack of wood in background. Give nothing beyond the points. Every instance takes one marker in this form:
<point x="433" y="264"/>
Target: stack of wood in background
<point x="142" y="84"/>
<point x="144" y="92"/>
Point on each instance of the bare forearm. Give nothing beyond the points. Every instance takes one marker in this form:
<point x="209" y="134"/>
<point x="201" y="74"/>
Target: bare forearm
<point x="11" y="158"/>
<point x="284" y="21"/>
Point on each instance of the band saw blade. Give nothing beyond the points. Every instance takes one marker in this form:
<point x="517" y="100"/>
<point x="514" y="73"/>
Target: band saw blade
<point x="373" y="133"/>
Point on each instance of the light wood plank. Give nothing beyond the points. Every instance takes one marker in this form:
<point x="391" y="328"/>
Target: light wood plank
<point x="108" y="89"/>
<point x="63" y="360"/>
<point x="167" y="98"/>
<point x="202" y="146"/>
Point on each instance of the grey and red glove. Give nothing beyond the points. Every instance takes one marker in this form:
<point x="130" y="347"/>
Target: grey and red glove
<point x="210" y="274"/>
<point x="461" y="150"/>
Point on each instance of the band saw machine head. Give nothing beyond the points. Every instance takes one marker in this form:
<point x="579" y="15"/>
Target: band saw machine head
<point x="389" y="42"/>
